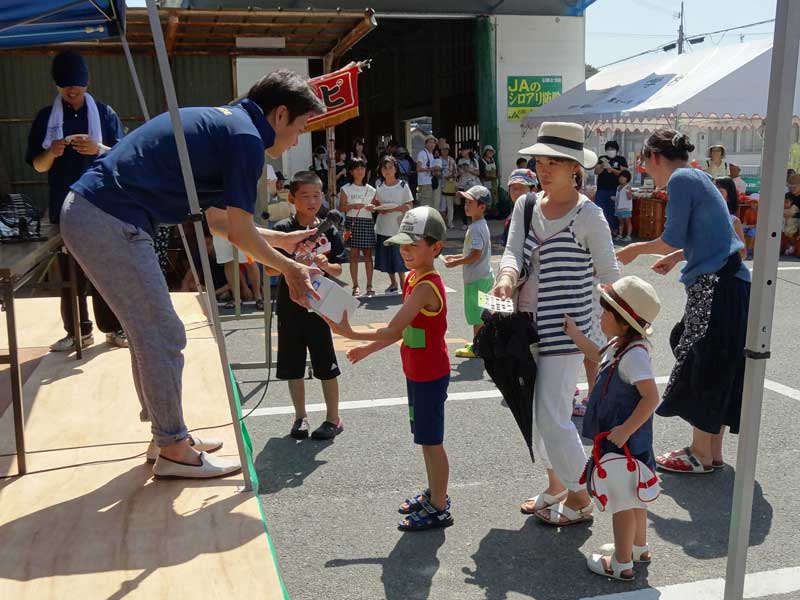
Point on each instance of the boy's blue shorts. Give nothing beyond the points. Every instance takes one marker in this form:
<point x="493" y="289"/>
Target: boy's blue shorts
<point x="426" y="410"/>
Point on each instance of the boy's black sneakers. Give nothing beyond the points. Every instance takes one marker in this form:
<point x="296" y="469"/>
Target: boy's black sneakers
<point x="328" y="430"/>
<point x="299" y="429"/>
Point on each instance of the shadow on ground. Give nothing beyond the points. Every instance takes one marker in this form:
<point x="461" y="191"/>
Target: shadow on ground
<point x="286" y="462"/>
<point x="692" y="493"/>
<point x="409" y="569"/>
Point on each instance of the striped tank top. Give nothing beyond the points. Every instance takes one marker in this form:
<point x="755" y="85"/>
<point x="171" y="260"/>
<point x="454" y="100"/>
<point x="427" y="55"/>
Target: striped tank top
<point x="565" y="284"/>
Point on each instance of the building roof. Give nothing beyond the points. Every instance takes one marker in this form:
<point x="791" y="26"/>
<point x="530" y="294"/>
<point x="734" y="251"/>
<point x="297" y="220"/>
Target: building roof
<point x="253" y="32"/>
<point x="569" y="8"/>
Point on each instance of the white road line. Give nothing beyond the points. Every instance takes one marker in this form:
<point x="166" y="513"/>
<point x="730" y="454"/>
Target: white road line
<point x="756" y="585"/>
<point x="788" y="268"/>
<point x="773" y="386"/>
<point x="783" y="390"/>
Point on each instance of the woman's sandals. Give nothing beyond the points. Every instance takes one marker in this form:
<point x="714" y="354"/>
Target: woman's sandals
<point x="544" y="500"/>
<point x="684" y="462"/>
<point x="558" y="511"/>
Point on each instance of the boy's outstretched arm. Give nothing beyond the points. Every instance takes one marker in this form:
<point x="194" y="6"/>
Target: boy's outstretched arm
<point x="423" y="296"/>
<point x="456" y="260"/>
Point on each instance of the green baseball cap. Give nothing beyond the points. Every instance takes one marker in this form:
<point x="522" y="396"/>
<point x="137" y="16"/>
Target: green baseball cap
<point x="419" y="223"/>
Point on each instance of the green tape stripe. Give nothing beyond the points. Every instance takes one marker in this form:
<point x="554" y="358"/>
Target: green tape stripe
<point x="248" y="450"/>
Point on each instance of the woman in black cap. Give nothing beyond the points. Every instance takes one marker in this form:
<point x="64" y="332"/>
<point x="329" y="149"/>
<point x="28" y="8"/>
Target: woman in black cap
<point x="64" y="140"/>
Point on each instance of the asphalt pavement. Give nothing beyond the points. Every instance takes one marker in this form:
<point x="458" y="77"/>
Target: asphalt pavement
<point x="331" y="507"/>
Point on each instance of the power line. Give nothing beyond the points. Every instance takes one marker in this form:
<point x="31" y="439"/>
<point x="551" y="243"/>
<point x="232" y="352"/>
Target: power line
<point x="626" y="34"/>
<point x="692" y="37"/>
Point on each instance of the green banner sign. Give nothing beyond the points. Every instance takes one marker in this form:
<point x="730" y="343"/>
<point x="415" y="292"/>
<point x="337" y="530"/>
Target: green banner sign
<point x="526" y="94"/>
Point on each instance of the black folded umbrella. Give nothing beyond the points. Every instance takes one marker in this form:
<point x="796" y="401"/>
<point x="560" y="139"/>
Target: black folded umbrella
<point x="504" y="345"/>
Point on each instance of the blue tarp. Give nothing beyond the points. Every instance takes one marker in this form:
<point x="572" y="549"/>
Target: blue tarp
<point x="40" y="22"/>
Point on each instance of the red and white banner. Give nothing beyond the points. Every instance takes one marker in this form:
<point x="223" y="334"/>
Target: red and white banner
<point x="339" y="92"/>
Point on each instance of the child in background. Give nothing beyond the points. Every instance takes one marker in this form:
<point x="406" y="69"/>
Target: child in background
<point x="449" y="185"/>
<point x="395" y="195"/>
<point x="421" y="323"/>
<point x="468" y="176"/>
<point x="320" y="165"/>
<point x="300" y="330"/>
<point x="624" y="207"/>
<point x="356" y="202"/>
<point x="791" y="226"/>
<point x="521" y="182"/>
<point x="727" y="188"/>
<point x="341" y="169"/>
<point x="623" y="401"/>
<point x="522" y="163"/>
<point x="476" y="258"/>
<point x="488" y="173"/>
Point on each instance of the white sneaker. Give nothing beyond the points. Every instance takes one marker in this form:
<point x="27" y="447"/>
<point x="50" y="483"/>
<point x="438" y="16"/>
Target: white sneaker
<point x="67" y="343"/>
<point x="118" y="339"/>
<point x="209" y="467"/>
<point x="201" y="445"/>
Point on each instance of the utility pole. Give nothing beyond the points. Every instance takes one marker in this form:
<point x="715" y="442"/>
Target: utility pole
<point x="680" y="32"/>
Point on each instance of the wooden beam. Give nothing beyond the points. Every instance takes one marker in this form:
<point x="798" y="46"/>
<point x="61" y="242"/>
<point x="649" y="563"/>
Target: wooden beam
<point x="232" y="36"/>
<point x="367" y="24"/>
<point x="296" y="14"/>
<point x="172" y="30"/>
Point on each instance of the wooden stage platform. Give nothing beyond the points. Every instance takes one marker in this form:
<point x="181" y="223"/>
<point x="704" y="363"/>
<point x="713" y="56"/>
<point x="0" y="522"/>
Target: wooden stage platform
<point x="88" y="521"/>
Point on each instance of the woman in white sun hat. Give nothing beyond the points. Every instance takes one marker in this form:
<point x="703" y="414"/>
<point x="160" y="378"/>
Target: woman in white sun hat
<point x="622" y="405"/>
<point x="566" y="243"/>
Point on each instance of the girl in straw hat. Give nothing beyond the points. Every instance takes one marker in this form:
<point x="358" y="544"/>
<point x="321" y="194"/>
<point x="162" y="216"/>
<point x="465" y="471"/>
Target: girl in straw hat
<point x="622" y="403"/>
<point x="566" y="243"/>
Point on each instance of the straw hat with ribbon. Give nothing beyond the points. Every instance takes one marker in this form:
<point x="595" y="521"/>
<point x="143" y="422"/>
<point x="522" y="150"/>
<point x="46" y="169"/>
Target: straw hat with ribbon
<point x="562" y="140"/>
<point x="635" y="300"/>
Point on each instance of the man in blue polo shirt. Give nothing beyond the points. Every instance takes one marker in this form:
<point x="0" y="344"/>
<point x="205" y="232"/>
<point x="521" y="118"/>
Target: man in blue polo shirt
<point x="109" y="217"/>
<point x="63" y="142"/>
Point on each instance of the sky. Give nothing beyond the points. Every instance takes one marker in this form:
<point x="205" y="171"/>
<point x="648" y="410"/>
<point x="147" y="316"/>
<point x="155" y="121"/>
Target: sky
<point x="609" y="35"/>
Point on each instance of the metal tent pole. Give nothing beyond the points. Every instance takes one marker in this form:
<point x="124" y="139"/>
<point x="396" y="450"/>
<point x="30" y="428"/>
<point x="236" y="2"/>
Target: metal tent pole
<point x="191" y="192"/>
<point x="135" y="76"/>
<point x="146" y="113"/>
<point x="783" y="79"/>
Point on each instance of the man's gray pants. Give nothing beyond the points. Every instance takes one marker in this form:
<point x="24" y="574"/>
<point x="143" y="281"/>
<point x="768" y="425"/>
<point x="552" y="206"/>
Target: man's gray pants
<point x="120" y="260"/>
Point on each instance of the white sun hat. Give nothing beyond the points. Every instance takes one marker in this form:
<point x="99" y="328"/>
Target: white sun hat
<point x="562" y="140"/>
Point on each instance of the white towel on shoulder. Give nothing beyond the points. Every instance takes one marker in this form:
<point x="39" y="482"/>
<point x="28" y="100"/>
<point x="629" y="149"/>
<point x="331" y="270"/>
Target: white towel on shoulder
<point x="55" y="124"/>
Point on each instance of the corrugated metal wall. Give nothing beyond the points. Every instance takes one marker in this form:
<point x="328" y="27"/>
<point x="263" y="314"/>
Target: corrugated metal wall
<point x="27" y="87"/>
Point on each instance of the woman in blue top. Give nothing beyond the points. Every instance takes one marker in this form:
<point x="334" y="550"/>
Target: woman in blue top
<point x="705" y="387"/>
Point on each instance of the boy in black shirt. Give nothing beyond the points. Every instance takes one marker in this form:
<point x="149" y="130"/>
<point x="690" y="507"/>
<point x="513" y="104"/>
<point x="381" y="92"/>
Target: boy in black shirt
<point x="300" y="330"/>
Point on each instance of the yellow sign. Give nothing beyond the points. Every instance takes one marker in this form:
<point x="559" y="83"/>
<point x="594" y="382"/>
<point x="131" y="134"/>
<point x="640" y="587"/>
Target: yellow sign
<point x="526" y="94"/>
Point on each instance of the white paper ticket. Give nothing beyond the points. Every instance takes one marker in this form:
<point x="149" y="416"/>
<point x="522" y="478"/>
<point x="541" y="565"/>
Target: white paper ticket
<point x="495" y="304"/>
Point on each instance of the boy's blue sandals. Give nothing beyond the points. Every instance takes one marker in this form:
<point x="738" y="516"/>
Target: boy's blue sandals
<point x="414" y="504"/>
<point x="427" y="517"/>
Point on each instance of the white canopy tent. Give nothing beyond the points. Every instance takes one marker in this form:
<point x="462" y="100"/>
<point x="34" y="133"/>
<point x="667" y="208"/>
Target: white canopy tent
<point x="724" y="82"/>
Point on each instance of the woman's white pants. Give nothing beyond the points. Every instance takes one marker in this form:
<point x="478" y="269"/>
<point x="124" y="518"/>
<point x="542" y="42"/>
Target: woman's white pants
<point x="556" y="442"/>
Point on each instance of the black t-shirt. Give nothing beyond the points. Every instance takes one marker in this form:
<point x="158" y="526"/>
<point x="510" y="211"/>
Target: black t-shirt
<point x="607" y="180"/>
<point x="329" y="243"/>
<point x="795" y="199"/>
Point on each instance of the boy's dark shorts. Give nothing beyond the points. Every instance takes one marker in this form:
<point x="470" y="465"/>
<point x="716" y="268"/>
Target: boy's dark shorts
<point x="301" y="330"/>
<point x="426" y="410"/>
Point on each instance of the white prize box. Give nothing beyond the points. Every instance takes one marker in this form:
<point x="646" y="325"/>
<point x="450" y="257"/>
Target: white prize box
<point x="333" y="301"/>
